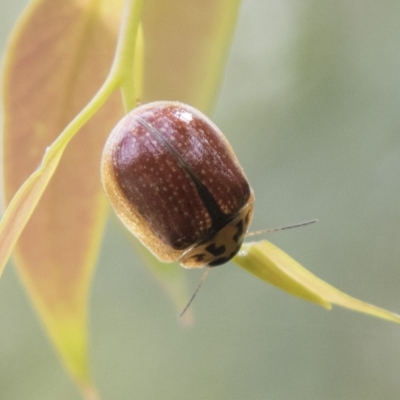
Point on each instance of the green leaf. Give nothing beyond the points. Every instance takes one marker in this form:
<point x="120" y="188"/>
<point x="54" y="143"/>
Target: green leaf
<point x="272" y="265"/>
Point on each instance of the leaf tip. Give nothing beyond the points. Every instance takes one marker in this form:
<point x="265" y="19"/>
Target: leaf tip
<point x="325" y="304"/>
<point x="186" y="320"/>
<point x="89" y="392"/>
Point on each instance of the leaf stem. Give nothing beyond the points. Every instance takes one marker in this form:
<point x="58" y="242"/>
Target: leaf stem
<point x="121" y="74"/>
<point x="124" y="62"/>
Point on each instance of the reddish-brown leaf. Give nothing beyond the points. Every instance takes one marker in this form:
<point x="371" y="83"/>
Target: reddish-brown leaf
<point x="58" y="57"/>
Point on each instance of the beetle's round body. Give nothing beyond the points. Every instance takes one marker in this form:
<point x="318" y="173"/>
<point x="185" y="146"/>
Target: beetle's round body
<point x="174" y="181"/>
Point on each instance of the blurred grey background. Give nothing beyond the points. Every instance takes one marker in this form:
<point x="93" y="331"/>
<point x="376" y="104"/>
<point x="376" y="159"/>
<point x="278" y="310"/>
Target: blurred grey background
<point x="310" y="103"/>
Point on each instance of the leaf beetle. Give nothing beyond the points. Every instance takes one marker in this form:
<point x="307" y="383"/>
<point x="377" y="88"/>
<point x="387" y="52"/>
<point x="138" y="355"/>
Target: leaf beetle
<point x="175" y="182"/>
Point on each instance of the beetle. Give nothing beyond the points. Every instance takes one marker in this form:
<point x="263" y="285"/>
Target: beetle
<point x="175" y="182"/>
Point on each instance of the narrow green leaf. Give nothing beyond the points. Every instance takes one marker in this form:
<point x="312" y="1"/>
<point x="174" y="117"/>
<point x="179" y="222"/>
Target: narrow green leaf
<point x="272" y="265"/>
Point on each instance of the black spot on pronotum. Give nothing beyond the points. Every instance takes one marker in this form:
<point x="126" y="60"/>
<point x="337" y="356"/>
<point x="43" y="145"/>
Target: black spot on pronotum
<point x="199" y="257"/>
<point x="218" y="261"/>
<point x="223" y="260"/>
<point x="239" y="232"/>
<point x="216" y="251"/>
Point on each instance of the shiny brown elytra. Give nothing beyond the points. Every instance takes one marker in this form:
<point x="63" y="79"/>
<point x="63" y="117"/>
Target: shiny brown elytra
<point x="175" y="182"/>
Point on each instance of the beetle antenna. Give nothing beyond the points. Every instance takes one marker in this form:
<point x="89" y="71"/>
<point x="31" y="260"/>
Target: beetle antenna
<point x="281" y="228"/>
<point x="203" y="278"/>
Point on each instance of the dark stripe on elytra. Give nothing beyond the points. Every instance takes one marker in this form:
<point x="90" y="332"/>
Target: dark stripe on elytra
<point x="218" y="218"/>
